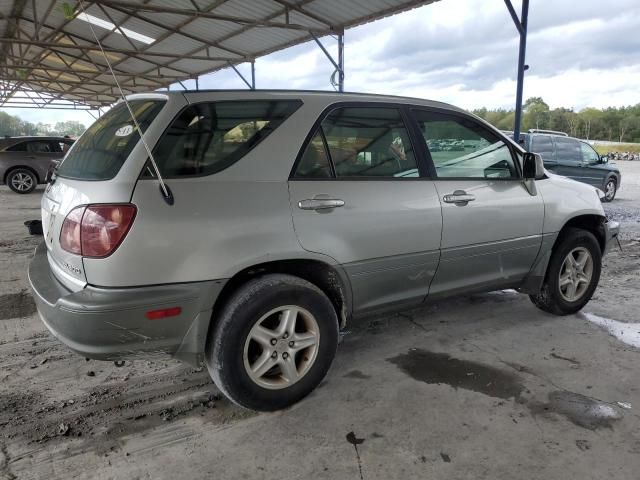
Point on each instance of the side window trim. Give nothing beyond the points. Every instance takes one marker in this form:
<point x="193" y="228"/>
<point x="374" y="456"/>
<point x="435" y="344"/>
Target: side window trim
<point x="457" y="115"/>
<point x="317" y="126"/>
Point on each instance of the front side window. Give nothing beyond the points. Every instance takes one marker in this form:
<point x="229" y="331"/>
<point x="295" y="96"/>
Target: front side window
<point x="206" y="138"/>
<point x="568" y="150"/>
<point x="369" y="142"/>
<point x="589" y="155"/>
<point x="105" y="146"/>
<point x="542" y="145"/>
<point x="461" y="148"/>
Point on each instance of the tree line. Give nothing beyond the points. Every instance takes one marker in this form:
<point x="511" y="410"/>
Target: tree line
<point x="13" y="126"/>
<point x="613" y="124"/>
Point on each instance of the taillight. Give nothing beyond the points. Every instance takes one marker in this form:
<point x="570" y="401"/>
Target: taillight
<point x="96" y="230"/>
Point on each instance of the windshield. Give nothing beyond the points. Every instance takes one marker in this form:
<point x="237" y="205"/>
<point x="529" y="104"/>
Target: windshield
<point x="103" y="148"/>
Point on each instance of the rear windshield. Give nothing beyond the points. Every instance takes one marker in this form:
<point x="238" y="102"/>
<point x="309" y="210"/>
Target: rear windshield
<point x="206" y="138"/>
<point x="104" y="147"/>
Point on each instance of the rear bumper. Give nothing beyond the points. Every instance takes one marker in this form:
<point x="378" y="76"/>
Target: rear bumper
<point x="110" y="323"/>
<point x="611" y="230"/>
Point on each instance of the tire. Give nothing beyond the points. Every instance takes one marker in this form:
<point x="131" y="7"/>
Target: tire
<point x="556" y="298"/>
<point x="233" y="351"/>
<point x="22" y="180"/>
<point x="610" y="190"/>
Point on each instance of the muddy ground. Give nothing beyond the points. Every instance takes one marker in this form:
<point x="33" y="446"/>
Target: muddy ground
<point x="478" y="387"/>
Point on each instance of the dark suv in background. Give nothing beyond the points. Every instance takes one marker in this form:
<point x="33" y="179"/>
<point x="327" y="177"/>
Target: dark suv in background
<point x="573" y="158"/>
<point x="26" y="161"/>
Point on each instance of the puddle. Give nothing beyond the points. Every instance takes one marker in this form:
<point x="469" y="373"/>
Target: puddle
<point x="440" y="368"/>
<point x="580" y="410"/>
<point x="16" y="305"/>
<point x="628" y="333"/>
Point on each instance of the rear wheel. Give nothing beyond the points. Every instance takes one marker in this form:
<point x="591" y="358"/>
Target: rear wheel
<point x="22" y="180"/>
<point x="572" y="275"/>
<point x="610" y="190"/>
<point x="273" y="342"/>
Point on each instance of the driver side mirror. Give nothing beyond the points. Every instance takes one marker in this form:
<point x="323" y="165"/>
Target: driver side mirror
<point x="532" y="166"/>
<point x="604" y="159"/>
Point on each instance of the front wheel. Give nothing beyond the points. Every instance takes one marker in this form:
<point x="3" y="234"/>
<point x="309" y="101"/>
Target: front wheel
<point x="610" y="190"/>
<point x="572" y="275"/>
<point x="273" y="342"/>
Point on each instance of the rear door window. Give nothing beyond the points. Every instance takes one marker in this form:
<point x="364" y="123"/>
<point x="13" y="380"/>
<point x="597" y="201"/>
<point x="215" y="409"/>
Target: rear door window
<point x="39" y="146"/>
<point x="369" y="142"/>
<point x="104" y="147"/>
<point x="206" y="138"/>
<point x="542" y="145"/>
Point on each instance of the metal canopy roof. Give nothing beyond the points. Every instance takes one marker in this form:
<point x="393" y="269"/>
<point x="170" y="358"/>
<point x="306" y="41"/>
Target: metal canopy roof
<point x="49" y="57"/>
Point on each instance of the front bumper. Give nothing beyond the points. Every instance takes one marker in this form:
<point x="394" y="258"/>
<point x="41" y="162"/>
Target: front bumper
<point x="110" y="323"/>
<point x="611" y="232"/>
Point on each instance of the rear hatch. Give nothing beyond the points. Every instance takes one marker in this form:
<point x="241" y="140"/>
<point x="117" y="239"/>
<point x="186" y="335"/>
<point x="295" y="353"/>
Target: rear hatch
<point x="102" y="167"/>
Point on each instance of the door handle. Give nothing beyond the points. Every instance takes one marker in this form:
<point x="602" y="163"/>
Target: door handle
<point x="320" y="203"/>
<point x="459" y="197"/>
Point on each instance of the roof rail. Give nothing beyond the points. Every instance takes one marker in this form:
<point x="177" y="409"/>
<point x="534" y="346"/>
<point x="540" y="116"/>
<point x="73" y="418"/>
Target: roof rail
<point x="549" y="132"/>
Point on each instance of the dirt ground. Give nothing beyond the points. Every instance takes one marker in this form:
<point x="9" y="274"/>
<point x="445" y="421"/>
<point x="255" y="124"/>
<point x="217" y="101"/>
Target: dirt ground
<point x="478" y="387"/>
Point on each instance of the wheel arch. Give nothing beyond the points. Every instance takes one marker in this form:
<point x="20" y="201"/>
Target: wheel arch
<point x="590" y="222"/>
<point x="331" y="279"/>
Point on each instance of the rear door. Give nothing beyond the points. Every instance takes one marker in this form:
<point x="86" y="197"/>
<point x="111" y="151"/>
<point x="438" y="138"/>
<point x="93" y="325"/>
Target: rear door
<point x="357" y="195"/>
<point x="492" y="226"/>
<point x="543" y="146"/>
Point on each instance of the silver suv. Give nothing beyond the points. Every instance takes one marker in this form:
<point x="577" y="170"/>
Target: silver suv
<point x="286" y="214"/>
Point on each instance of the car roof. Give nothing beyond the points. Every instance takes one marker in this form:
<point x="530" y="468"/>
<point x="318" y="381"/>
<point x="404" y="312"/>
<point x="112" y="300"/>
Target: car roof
<point x="330" y="97"/>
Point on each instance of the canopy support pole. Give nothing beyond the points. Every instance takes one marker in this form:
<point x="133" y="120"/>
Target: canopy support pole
<point x="339" y="65"/>
<point x="252" y="84"/>
<point x="521" y="26"/>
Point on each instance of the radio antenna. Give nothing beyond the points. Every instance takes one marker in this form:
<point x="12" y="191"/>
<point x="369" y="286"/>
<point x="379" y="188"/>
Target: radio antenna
<point x="164" y="188"/>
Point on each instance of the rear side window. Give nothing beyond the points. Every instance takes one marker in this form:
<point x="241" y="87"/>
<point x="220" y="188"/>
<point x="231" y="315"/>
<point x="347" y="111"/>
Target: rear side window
<point x="104" y="147"/>
<point x="18" y="147"/>
<point x="568" y="150"/>
<point x="206" y="138"/>
<point x="542" y="145"/>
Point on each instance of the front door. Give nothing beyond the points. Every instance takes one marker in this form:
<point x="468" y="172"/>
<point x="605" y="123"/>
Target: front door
<point x="358" y="197"/>
<point x="492" y="226"/>
<point x="569" y="158"/>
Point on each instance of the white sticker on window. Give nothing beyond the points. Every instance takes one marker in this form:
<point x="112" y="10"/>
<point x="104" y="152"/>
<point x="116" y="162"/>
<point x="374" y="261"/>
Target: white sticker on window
<point x="124" y="131"/>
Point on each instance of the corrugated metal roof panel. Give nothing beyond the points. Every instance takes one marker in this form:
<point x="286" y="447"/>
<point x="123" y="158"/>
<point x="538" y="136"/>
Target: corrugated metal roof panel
<point x="186" y="42"/>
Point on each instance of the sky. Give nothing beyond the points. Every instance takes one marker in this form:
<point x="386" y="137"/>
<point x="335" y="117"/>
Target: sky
<point x="581" y="54"/>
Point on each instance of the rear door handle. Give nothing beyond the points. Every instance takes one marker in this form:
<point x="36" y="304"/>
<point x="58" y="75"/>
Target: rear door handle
<point x="320" y="203"/>
<point x="459" y="197"/>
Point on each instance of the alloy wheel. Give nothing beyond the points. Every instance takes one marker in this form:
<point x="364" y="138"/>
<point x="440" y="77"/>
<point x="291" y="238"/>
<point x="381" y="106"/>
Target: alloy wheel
<point x="575" y="274"/>
<point x="281" y="347"/>
<point x="22" y="182"/>
<point x="610" y="190"/>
